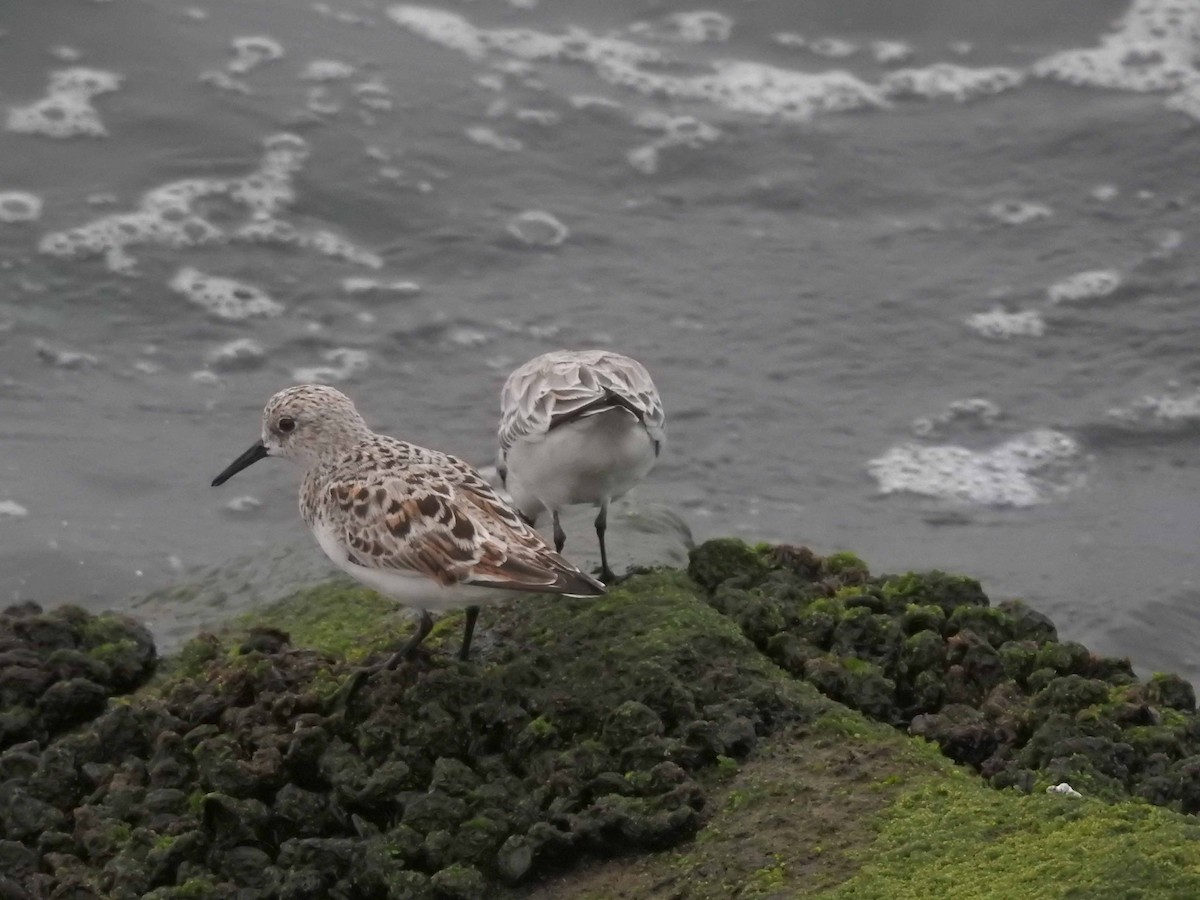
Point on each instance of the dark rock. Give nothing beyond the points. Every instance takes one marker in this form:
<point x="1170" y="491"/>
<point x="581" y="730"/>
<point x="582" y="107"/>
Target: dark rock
<point x="716" y="561"/>
<point x="247" y="867"/>
<point x="459" y="882"/>
<point x="17" y="860"/>
<point x="992" y="625"/>
<point x="24" y="816"/>
<point x="817" y="622"/>
<point x="858" y="684"/>
<point x="800" y="561"/>
<point x="17" y="763"/>
<point x="263" y="639"/>
<point x="935" y="588"/>
<point x="478" y="839"/>
<point x="865" y="635"/>
<point x="453" y="777"/>
<point x="1065" y="658"/>
<point x="22" y="685"/>
<point x="300" y="812"/>
<point x="962" y="733"/>
<point x="437" y="849"/>
<point x="230" y="821"/>
<point x="917" y="618"/>
<point x="924" y="651"/>
<point x="791" y="651"/>
<point x="1027" y="623"/>
<point x="220" y="767"/>
<point x="1019" y="659"/>
<point x="72" y="663"/>
<point x="330" y="855"/>
<point x="1170" y="691"/>
<point x="1069" y="694"/>
<point x="630" y="721"/>
<point x="514" y="859"/>
<point x="432" y="811"/>
<point x="68" y="703"/>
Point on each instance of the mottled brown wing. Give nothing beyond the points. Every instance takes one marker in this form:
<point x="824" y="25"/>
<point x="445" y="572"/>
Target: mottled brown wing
<point x="450" y="526"/>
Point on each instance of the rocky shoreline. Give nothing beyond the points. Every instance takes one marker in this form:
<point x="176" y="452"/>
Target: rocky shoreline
<point x="259" y="763"/>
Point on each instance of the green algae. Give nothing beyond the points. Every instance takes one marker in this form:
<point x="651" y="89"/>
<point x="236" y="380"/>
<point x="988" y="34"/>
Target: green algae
<point x="579" y="725"/>
<point x="338" y="617"/>
<point x="952" y="836"/>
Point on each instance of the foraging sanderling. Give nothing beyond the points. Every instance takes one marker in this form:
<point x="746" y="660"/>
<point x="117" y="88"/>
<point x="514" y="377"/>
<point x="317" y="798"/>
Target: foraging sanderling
<point x="578" y="426"/>
<point x="417" y="525"/>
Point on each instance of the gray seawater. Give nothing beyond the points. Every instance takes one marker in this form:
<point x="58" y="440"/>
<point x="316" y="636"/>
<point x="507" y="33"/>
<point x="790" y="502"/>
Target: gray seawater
<point x="939" y="308"/>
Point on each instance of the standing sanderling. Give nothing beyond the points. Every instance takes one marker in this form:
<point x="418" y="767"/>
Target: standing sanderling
<point x="578" y="426"/>
<point x="417" y="525"/>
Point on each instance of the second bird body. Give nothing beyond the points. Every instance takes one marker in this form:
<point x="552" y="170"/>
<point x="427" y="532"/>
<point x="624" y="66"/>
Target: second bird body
<point x="578" y="427"/>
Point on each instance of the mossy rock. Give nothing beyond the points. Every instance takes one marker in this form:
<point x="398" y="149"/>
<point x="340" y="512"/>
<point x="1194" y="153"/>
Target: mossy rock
<point x="670" y="726"/>
<point x="717" y="561"/>
<point x="935" y="588"/>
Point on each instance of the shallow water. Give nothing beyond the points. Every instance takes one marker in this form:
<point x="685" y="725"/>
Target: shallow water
<point x="817" y="270"/>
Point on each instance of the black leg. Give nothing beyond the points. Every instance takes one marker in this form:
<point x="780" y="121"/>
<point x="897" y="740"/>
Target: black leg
<point x="409" y="650"/>
<point x="560" y="536"/>
<point x="606" y="574"/>
<point x="468" y="631"/>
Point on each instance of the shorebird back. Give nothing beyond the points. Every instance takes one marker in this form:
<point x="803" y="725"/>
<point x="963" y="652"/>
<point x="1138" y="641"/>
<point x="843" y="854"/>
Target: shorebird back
<point x="578" y="426"/>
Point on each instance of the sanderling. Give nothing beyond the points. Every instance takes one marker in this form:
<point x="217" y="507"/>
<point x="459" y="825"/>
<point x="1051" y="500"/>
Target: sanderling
<point x="578" y="426"/>
<point x="417" y="525"/>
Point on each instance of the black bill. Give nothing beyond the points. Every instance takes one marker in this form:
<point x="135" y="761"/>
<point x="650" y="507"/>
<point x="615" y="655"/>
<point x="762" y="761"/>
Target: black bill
<point x="249" y="458"/>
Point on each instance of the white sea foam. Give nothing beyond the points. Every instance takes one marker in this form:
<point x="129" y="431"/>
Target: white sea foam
<point x="677" y="131"/>
<point x="489" y="137"/>
<point x="358" y="286"/>
<point x="891" y="53"/>
<point x="66" y="110"/>
<point x="225" y="82"/>
<point x="1018" y="212"/>
<point x="373" y="95"/>
<point x="327" y="70"/>
<point x="946" y="80"/>
<point x="975" y="411"/>
<point x="999" y="324"/>
<point x="66" y="53"/>
<point x="241" y="353"/>
<point x="736" y="85"/>
<point x="343" y="362"/>
<point x="1152" y="48"/>
<point x="11" y="509"/>
<point x="832" y="48"/>
<point x="251" y="52"/>
<point x="1085" y="286"/>
<point x="195" y="212"/>
<point x="19" y="206"/>
<point x="732" y="84"/>
<point x="464" y="336"/>
<point x="789" y="39"/>
<point x="1163" y="414"/>
<point x="63" y="357"/>
<point x="537" y="228"/>
<point x="224" y="298"/>
<point x="700" y="27"/>
<point x="1029" y="469"/>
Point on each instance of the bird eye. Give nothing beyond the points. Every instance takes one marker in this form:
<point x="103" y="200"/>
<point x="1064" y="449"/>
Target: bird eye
<point x="287" y="424"/>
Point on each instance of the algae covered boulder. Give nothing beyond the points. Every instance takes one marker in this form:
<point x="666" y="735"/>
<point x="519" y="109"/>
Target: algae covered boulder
<point x="265" y="763"/>
<point x="58" y="668"/>
<point x="992" y="686"/>
<point x="277" y="770"/>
